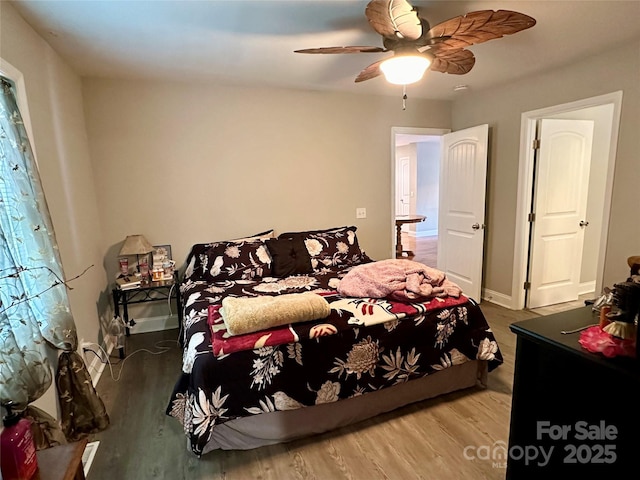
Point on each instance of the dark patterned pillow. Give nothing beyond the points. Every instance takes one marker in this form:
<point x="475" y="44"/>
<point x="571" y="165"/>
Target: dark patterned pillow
<point x="198" y="262"/>
<point x="306" y="233"/>
<point x="238" y="261"/>
<point x="331" y="247"/>
<point x="290" y="256"/>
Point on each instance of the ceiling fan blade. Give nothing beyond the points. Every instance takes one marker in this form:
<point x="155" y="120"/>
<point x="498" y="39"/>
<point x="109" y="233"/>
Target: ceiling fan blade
<point x="453" y="61"/>
<point x="372" y="71"/>
<point x="350" y="49"/>
<point x="479" y="27"/>
<point x="394" y="19"/>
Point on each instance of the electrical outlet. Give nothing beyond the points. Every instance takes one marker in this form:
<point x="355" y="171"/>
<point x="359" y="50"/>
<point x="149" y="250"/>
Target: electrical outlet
<point x="361" y="212"/>
<point x="88" y="356"/>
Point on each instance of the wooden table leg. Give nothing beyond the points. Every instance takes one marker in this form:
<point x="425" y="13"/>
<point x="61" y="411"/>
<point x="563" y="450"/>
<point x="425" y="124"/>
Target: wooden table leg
<point x="400" y="253"/>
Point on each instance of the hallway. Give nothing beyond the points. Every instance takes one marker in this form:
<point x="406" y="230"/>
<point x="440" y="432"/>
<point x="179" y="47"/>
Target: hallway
<point x="424" y="248"/>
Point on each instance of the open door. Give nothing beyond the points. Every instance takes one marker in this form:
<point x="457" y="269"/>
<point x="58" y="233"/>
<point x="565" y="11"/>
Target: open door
<point x="559" y="215"/>
<point x="463" y="176"/>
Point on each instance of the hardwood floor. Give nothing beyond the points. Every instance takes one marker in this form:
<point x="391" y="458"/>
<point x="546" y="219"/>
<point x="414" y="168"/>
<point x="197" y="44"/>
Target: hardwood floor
<point x="424" y="248"/>
<point x="425" y="440"/>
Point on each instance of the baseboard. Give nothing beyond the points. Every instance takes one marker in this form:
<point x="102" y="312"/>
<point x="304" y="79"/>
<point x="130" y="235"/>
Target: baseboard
<point x="498" y="298"/>
<point x="427" y="233"/>
<point x="154" y="324"/>
<point x="587" y="287"/>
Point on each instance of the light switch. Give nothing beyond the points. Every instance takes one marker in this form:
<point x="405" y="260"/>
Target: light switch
<point x="361" y="212"/>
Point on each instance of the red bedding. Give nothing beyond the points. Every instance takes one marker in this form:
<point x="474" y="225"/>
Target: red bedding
<point x="345" y="314"/>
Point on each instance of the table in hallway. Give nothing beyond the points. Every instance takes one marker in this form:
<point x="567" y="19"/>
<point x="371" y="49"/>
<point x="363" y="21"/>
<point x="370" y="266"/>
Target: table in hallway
<point x="400" y="221"/>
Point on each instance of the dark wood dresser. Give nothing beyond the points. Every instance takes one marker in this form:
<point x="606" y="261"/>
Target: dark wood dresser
<point x="573" y="412"/>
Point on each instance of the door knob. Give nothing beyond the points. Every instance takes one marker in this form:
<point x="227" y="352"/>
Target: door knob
<point x="476" y="226"/>
<point x="584" y="223"/>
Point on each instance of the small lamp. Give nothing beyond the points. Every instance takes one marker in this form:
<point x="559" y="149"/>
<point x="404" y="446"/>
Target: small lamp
<point x="136" y="245"/>
<point x="406" y="68"/>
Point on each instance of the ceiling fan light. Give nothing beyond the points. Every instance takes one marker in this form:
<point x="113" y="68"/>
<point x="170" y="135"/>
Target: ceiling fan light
<point x="405" y="69"/>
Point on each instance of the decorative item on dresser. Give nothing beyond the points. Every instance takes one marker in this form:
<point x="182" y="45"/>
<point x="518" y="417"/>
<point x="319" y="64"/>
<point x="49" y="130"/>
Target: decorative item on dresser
<point x="619" y="310"/>
<point x="369" y="355"/>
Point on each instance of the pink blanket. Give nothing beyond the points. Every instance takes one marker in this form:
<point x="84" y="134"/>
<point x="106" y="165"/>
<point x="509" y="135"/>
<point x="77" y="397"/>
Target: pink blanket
<point x="399" y="279"/>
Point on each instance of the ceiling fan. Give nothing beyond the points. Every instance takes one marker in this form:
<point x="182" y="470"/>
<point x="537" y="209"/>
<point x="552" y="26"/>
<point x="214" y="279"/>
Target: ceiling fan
<point x="417" y="46"/>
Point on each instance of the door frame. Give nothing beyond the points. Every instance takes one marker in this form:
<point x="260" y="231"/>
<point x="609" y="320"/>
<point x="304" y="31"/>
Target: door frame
<point x="528" y="124"/>
<point x="392" y="206"/>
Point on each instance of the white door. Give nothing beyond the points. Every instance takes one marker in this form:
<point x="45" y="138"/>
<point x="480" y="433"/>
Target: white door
<point x="560" y="206"/>
<point x="463" y="174"/>
<point x="403" y="187"/>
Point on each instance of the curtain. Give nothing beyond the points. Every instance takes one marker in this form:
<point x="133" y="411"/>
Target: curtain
<point x="34" y="307"/>
<point x="45" y="429"/>
<point x="81" y="408"/>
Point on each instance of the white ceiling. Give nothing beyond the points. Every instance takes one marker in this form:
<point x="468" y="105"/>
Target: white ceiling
<point x="251" y="43"/>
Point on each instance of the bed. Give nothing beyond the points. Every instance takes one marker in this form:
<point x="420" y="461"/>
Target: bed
<point x="364" y="355"/>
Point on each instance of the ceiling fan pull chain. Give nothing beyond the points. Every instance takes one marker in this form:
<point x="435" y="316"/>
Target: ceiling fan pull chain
<point x="404" y="97"/>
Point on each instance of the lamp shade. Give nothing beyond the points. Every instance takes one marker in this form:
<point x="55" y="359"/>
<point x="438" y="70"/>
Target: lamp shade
<point x="136" y="245"/>
<point x="405" y="69"/>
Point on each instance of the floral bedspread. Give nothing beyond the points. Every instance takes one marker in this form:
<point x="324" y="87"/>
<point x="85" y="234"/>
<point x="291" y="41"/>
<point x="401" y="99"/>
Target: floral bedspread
<point x="309" y="370"/>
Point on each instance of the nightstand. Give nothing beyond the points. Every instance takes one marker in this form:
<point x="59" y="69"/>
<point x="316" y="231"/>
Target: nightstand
<point x="149" y="292"/>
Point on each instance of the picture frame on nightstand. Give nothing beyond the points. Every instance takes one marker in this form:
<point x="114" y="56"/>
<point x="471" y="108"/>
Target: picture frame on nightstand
<point x="163" y="265"/>
<point x="163" y="251"/>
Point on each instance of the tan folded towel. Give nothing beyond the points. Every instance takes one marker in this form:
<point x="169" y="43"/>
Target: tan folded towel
<point x="251" y="314"/>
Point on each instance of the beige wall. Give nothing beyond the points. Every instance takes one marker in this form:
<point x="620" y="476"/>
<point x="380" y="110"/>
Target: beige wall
<point x="501" y="108"/>
<point x="55" y="105"/>
<point x="189" y="163"/>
